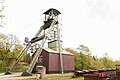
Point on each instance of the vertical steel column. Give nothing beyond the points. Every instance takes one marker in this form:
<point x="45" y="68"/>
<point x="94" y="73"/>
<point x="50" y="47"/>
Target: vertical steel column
<point x="59" y="49"/>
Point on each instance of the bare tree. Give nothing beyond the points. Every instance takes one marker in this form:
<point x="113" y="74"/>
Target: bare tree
<point x="8" y="42"/>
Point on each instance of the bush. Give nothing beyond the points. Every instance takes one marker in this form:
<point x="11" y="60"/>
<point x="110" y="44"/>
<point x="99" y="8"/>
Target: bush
<point x="20" y="68"/>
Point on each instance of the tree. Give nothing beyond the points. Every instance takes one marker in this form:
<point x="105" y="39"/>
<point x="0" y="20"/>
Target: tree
<point x="8" y="42"/>
<point x="9" y="49"/>
<point x="107" y="62"/>
<point x="84" y="49"/>
<point x="80" y="59"/>
<point x="87" y="58"/>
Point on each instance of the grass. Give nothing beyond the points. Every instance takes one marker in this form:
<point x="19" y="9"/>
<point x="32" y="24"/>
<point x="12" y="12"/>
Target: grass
<point x="2" y="71"/>
<point x="57" y="77"/>
<point x="67" y="76"/>
<point x="29" y="79"/>
<point x="60" y="78"/>
<point x="79" y="78"/>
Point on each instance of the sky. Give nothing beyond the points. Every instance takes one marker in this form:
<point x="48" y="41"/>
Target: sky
<point x="93" y="23"/>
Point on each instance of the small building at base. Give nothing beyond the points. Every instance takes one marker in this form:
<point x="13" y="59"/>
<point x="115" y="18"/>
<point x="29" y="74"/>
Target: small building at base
<point x="50" y="59"/>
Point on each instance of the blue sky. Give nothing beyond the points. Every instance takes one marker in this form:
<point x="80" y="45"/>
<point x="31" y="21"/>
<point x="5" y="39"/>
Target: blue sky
<point x="93" y="23"/>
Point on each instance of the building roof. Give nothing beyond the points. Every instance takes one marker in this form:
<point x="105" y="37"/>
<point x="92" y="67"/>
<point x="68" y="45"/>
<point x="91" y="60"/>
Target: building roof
<point x="55" y="11"/>
<point x="53" y="51"/>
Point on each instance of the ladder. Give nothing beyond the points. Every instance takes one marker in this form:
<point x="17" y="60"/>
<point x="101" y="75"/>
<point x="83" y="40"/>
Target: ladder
<point x="38" y="52"/>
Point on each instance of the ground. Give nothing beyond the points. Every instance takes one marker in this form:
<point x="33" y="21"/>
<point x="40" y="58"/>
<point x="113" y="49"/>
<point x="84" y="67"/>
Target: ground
<point x="16" y="76"/>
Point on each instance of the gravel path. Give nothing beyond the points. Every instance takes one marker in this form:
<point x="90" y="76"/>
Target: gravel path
<point x="14" y="76"/>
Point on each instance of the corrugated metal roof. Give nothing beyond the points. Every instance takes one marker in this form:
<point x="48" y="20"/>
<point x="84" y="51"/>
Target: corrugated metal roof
<point x="53" y="51"/>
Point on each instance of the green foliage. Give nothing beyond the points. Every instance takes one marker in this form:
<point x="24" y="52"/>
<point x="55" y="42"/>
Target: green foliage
<point x="26" y="58"/>
<point x="20" y="68"/>
<point x="117" y="62"/>
<point x="85" y="60"/>
<point x="62" y="78"/>
<point x="9" y="50"/>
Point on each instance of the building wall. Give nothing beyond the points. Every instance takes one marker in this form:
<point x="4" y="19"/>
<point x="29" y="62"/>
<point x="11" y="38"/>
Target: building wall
<point x="68" y="63"/>
<point x="51" y="62"/>
<point x="45" y="61"/>
<point x="54" y="63"/>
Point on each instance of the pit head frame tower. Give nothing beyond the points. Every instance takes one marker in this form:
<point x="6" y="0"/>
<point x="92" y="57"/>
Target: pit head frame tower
<point x="51" y="20"/>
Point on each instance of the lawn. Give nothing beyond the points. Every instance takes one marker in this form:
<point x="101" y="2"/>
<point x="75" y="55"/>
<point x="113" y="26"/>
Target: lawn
<point x="54" y="78"/>
<point x="58" y="77"/>
<point x="66" y="76"/>
<point x="63" y="78"/>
